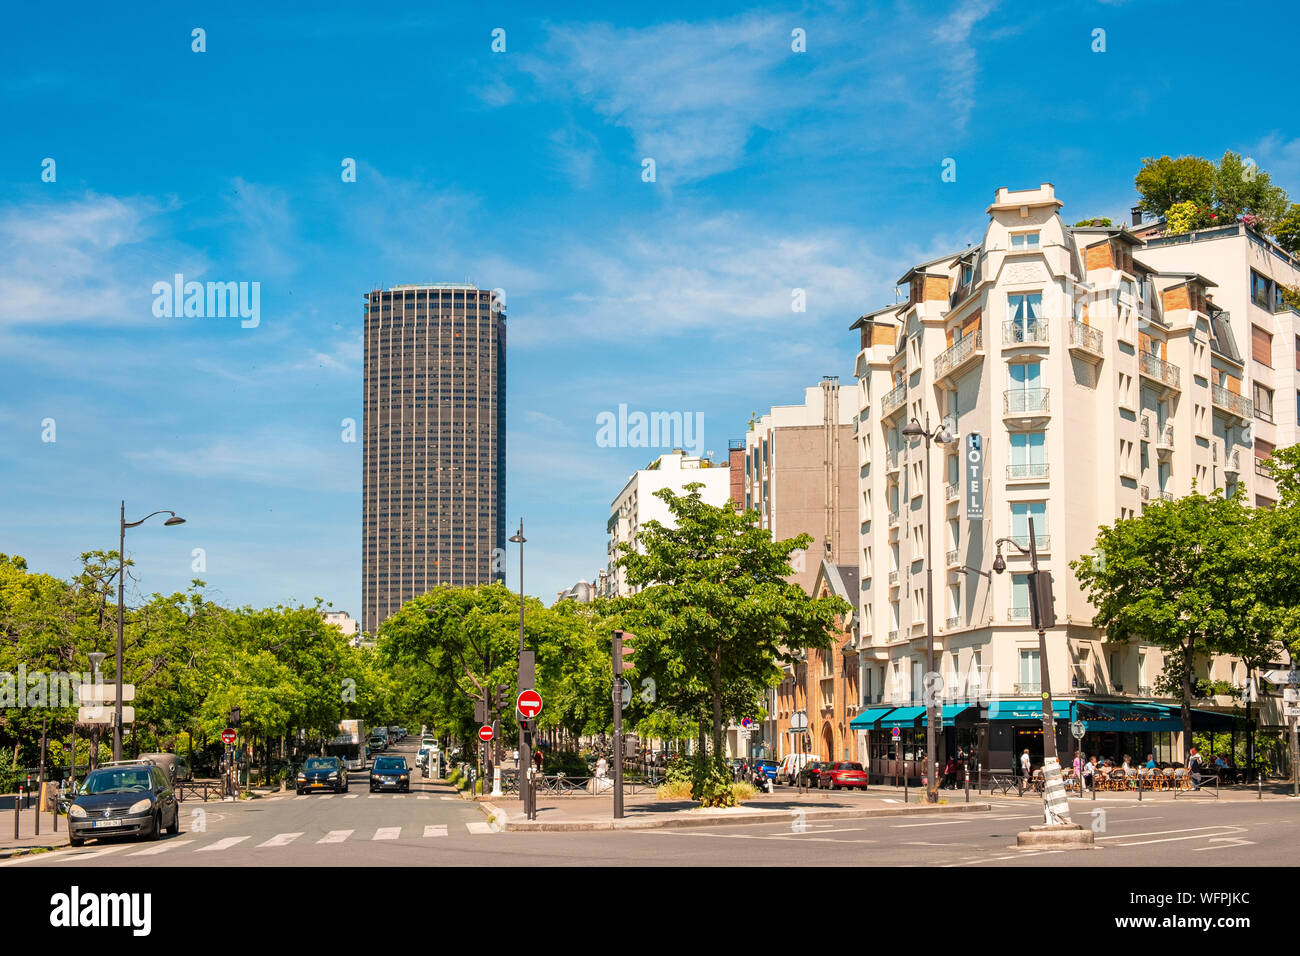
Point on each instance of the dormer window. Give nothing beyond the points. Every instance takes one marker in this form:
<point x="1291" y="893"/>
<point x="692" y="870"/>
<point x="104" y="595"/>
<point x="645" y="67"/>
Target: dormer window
<point x="1024" y="241"/>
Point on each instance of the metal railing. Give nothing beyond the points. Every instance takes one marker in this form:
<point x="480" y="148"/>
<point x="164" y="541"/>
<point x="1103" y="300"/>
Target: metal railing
<point x="1166" y="495"/>
<point x="891" y="460"/>
<point x="951" y="490"/>
<point x="893" y="399"/>
<point x="1085" y="337"/>
<point x="1043" y="542"/>
<point x="1025" y="471"/>
<point x="893" y="636"/>
<point x="1146" y="427"/>
<point x="1018" y="614"/>
<point x="1144" y="492"/>
<point x="893" y="578"/>
<point x="893" y="518"/>
<point x="952" y="622"/>
<point x="1262" y="469"/>
<point x="1024" y="333"/>
<point x="1230" y="401"/>
<point x="1153" y="366"/>
<point x="1165" y="439"/>
<point x="958" y="353"/>
<point x="1022" y="400"/>
<point x="1030" y="688"/>
<point x="1232" y="462"/>
<point x="952" y="556"/>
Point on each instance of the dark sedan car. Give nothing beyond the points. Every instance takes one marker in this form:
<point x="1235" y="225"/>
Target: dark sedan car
<point x="323" y="773"/>
<point x="842" y="774"/>
<point x="810" y="773"/>
<point x="390" y="773"/>
<point x="124" y="800"/>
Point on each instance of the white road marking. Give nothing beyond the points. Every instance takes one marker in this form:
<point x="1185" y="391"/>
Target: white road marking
<point x="375" y="796"/>
<point x="222" y="844"/>
<point x="336" y="836"/>
<point x="161" y="848"/>
<point x="325" y="796"/>
<point x="350" y="796"/>
<point x="1224" y="842"/>
<point x="1197" y="833"/>
<point x="435" y="830"/>
<point x="890" y="800"/>
<point x="387" y="833"/>
<point x="281" y="839"/>
<point x="933" y="823"/>
<point x="457" y="799"/>
<point x="479" y="826"/>
<point x="423" y="796"/>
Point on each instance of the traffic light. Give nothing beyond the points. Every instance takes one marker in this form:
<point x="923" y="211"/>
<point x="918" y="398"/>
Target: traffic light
<point x="232" y="719"/>
<point x="480" y="711"/>
<point x="1041" y="606"/>
<point x="630" y="745"/>
<point x="502" y="697"/>
<point x="623" y="653"/>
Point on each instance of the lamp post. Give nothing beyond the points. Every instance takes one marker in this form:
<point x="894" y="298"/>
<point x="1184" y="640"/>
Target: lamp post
<point x="940" y="436"/>
<point x="524" y="773"/>
<point x="121" y="596"/>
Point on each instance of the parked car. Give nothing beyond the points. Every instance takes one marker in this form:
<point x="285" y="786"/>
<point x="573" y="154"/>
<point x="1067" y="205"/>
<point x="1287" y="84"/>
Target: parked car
<point x="378" y="743"/>
<point x="843" y="773"/>
<point x="791" y="764"/>
<point x="128" y="799"/>
<point x="320" y="773"/>
<point x="763" y="769"/>
<point x="390" y="773"/>
<point x="809" y="773"/>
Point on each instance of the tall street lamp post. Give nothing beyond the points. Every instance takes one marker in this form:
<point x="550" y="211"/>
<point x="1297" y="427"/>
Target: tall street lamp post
<point x="524" y="772"/>
<point x="121" y="597"/>
<point x="940" y="436"/>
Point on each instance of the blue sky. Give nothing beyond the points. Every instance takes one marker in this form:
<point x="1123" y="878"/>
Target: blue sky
<point x="520" y="170"/>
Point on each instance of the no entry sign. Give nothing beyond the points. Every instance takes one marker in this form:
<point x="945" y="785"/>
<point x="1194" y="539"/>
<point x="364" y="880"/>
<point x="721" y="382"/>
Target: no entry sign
<point x="529" y="703"/>
<point x="485" y="732"/>
<point x="228" y="736"/>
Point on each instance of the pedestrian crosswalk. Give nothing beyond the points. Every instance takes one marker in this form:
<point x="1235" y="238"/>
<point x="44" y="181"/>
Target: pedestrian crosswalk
<point x="426" y="831"/>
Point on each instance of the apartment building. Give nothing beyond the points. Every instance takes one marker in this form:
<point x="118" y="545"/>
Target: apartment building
<point x="637" y="504"/>
<point x="800" y="473"/>
<point x="1081" y="381"/>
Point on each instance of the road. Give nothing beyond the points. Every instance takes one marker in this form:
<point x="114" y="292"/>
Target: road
<point x="433" y="827"/>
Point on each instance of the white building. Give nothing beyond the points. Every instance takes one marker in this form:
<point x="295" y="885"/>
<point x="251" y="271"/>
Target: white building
<point x="637" y="503"/>
<point x="344" y="621"/>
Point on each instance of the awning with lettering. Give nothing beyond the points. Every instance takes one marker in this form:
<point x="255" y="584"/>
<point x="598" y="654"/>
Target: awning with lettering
<point x="902" y="717"/>
<point x="1026" y="709"/>
<point x="867" y="719"/>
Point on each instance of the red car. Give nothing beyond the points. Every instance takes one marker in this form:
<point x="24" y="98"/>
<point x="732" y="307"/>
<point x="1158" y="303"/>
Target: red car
<point x="842" y="774"/>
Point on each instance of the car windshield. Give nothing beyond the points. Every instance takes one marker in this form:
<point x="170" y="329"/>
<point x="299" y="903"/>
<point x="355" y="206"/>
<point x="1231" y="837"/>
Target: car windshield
<point x="850" y="766"/>
<point x="390" y="763"/>
<point x="321" y="763"/>
<point x="133" y="780"/>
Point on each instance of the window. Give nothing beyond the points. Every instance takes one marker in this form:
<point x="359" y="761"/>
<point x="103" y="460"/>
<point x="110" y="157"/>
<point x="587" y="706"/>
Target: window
<point x="1260" y="291"/>
<point x="1021" y="513"/>
<point x="1028" y="455"/>
<point x="1019" y="597"/>
<point x="1261" y="346"/>
<point x="1263" y="402"/>
<point x="1025" y="377"/>
<point x="1022" y="241"/>
<point x="1029" y="672"/>
<point x="1023" y="312"/>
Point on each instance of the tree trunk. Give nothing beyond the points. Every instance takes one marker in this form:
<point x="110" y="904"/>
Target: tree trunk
<point x="1188" y="661"/>
<point x="718" y="749"/>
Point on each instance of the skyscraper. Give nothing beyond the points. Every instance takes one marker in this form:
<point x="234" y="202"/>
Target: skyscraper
<point x="433" y="465"/>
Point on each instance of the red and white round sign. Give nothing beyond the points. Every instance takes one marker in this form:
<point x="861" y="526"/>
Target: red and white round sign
<point x="485" y="732"/>
<point x="228" y="736"/>
<point x="529" y="704"/>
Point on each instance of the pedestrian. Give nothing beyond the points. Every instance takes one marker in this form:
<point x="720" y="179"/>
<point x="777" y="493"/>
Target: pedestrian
<point x="537" y="759"/>
<point x="516" y="759"/>
<point x="1024" y="767"/>
<point x="1089" y="768"/>
<point x="1078" y="769"/>
<point x="601" y="767"/>
<point x="1194" y="765"/>
<point x="950" y="773"/>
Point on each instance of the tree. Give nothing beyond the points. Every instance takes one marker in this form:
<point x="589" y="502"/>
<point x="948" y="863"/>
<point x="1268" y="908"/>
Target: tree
<point x="717" y="614"/>
<point x="1163" y="182"/>
<point x="1175" y="576"/>
<point x="1287" y="232"/>
<point x="1241" y="190"/>
<point x="1094" y="221"/>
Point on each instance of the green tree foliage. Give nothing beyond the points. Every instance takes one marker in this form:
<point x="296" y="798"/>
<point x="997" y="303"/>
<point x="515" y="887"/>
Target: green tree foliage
<point x="1093" y="221"/>
<point x="1192" y="192"/>
<point x="1287" y="232"/>
<point x="716" y="614"/>
<point x="1163" y="182"/>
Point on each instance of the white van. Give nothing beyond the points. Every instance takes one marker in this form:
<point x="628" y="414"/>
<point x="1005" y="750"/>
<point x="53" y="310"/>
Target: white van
<point x="792" y="764"/>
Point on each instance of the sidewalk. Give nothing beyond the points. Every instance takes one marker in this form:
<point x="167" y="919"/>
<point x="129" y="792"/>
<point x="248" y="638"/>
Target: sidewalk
<point x="643" y="811"/>
<point x="1236" y="793"/>
<point x="28" y="841"/>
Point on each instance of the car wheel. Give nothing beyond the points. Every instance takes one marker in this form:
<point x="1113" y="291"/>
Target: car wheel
<point x="175" y="828"/>
<point x="300" y="791"/>
<point x="156" y="832"/>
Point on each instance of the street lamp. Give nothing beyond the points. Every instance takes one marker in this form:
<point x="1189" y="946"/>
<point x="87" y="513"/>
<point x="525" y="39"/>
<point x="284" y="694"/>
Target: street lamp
<point x="524" y="772"/>
<point x="940" y="436"/>
<point x="121" y="597"/>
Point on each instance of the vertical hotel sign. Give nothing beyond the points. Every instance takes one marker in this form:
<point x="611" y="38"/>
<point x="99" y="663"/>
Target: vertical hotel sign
<point x="974" y="468"/>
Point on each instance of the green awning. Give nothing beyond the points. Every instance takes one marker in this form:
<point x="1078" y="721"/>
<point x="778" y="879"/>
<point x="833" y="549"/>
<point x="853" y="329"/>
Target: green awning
<point x="1026" y="709"/>
<point x="952" y="711"/>
<point x="867" y="719"/>
<point x="903" y="717"/>
<point x="1126" y="717"/>
<point x="1204" y="720"/>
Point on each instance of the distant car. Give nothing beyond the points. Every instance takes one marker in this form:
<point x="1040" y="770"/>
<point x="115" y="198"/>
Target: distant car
<point x="428" y="740"/>
<point x="378" y="743"/>
<point x="321" y="773"/>
<point x="810" y="772"/>
<point x="123" y="800"/>
<point x="843" y="773"/>
<point x="764" y="768"/>
<point x="390" y="773"/>
<point x="791" y="764"/>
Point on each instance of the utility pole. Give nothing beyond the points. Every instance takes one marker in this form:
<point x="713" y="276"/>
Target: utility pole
<point x="622" y="663"/>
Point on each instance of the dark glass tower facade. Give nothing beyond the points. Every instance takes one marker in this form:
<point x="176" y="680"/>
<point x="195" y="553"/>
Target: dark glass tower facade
<point x="433" y="479"/>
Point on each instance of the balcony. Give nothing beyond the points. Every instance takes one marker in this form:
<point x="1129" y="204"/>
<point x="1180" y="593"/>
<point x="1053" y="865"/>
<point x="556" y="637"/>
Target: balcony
<point x="1033" y="471"/>
<point x="1085" y="341"/>
<point x="1025" y="401"/>
<point x="1165" y="495"/>
<point x="1144" y="492"/>
<point x="953" y="557"/>
<point x="952" y="622"/>
<point x="1262" y="469"/>
<point x="951" y="491"/>
<point x="893" y="518"/>
<point x="1232" y="462"/>
<point x="891" y="461"/>
<point x="1232" y="403"/>
<point x="1146" y="428"/>
<point x="893" y="636"/>
<point x="893" y="400"/>
<point x="1034" y="688"/>
<point x="1018" y="613"/>
<point x="1024" y="333"/>
<point x="1042" y="542"/>
<point x="893" y="579"/>
<point x="1156" y="368"/>
<point x="951" y="361"/>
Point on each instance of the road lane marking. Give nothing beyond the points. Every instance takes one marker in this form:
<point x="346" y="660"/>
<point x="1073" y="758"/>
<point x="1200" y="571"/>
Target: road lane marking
<point x="1197" y="833"/>
<point x="479" y="826"/>
<point x="336" y="836"/>
<point x="222" y="844"/>
<point x="161" y="848"/>
<point x="387" y="833"/>
<point x="435" y="830"/>
<point x="350" y="796"/>
<point x="932" y="823"/>
<point x="423" y="796"/>
<point x="281" y="839"/>
<point x="375" y="796"/>
<point x="1225" y="843"/>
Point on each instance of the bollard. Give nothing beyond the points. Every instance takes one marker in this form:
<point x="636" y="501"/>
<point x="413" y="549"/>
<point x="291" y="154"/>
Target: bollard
<point x="36" y="812"/>
<point x="18" y="800"/>
<point x="968" y="783"/>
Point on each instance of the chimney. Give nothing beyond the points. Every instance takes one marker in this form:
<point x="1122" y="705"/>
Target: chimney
<point x="1137" y="215"/>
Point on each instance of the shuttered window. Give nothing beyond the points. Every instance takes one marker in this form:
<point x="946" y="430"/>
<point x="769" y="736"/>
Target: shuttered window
<point x="1261" y="346"/>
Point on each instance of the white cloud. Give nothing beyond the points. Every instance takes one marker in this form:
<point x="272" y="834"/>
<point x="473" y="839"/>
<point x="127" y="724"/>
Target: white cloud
<point x="265" y="457"/>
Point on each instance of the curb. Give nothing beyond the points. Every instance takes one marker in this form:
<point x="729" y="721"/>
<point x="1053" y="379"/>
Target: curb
<point x="9" y="854"/>
<point x="766" y="816"/>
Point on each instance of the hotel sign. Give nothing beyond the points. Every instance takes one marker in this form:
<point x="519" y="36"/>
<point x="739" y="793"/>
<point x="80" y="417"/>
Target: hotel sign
<point x="974" y="468"/>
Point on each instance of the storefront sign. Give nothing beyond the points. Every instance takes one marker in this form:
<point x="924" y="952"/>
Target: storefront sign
<point x="974" y="469"/>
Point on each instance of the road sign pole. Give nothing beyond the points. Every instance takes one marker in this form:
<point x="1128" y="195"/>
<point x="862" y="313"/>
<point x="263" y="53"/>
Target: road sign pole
<point x="618" y="725"/>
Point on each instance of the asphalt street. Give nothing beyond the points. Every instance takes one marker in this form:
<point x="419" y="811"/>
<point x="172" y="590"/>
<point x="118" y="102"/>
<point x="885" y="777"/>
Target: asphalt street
<point x="432" y="826"/>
